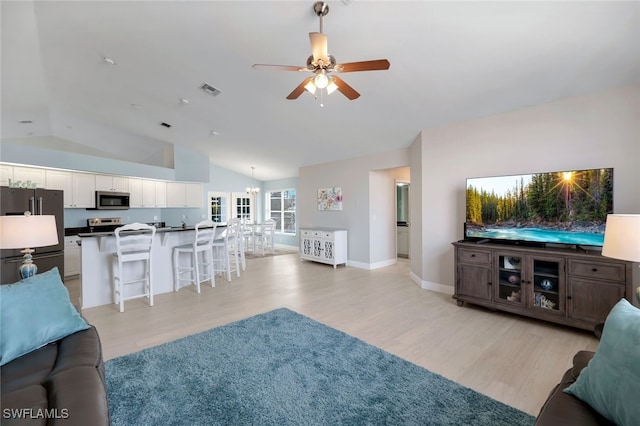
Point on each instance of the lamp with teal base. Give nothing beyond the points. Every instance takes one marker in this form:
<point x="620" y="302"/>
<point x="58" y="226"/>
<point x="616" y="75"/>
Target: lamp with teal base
<point x="26" y="231"/>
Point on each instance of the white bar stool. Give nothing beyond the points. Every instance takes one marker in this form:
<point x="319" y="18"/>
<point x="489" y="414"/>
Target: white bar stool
<point x="201" y="268"/>
<point x="134" y="246"/>
<point x="227" y="246"/>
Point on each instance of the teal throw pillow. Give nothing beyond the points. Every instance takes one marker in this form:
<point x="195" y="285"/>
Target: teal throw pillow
<point x="610" y="383"/>
<point x="34" y="312"/>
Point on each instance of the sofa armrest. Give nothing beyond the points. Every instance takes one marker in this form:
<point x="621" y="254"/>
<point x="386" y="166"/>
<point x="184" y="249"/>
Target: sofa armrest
<point x="580" y="361"/>
<point x="81" y="393"/>
<point x="563" y="409"/>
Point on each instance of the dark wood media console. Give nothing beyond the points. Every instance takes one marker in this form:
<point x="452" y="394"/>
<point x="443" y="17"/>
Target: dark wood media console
<point x="565" y="286"/>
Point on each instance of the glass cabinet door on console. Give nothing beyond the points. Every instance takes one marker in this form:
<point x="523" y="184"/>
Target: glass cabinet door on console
<point x="531" y="281"/>
<point x="548" y="285"/>
<point x="510" y="282"/>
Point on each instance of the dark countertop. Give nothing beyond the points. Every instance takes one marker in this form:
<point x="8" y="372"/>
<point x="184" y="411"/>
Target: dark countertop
<point x="69" y="232"/>
<point x="158" y="231"/>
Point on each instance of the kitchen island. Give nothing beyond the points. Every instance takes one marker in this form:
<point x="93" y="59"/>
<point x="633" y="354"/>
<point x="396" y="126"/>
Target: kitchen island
<point x="96" y="263"/>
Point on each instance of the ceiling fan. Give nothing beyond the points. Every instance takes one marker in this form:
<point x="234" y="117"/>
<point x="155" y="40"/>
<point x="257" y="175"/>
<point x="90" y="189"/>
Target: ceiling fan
<point x="321" y="64"/>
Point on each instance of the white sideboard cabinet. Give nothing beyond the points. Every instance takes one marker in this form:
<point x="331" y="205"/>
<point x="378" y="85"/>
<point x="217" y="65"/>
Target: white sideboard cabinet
<point x="326" y="245"/>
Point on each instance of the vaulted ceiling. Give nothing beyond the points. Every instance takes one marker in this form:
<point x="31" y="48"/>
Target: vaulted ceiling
<point x="450" y="62"/>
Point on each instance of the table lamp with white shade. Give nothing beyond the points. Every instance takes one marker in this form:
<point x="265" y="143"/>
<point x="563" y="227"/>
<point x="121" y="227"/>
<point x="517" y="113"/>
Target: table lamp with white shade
<point x="26" y="232"/>
<point x="622" y="239"/>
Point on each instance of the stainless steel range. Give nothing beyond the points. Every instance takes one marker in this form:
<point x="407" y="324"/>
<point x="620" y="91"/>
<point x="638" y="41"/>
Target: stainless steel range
<point x="104" y="224"/>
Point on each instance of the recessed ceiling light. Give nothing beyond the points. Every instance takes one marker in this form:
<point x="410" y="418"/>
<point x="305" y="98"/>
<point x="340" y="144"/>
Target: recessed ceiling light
<point x="108" y="61"/>
<point x="215" y="133"/>
<point x="184" y="101"/>
<point x="135" y="106"/>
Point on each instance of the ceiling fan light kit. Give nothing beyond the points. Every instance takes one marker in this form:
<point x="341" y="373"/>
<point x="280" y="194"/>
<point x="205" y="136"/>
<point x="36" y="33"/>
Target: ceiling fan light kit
<point x="321" y="64"/>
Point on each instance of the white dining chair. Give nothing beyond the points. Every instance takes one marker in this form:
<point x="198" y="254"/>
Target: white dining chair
<point x="264" y="239"/>
<point x="133" y="245"/>
<point x="201" y="265"/>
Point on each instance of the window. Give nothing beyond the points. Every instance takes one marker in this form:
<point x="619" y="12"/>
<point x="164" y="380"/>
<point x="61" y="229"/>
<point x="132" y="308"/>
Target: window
<point x="281" y="207"/>
<point x="242" y="207"/>
<point x="219" y="207"/>
<point x="226" y="205"/>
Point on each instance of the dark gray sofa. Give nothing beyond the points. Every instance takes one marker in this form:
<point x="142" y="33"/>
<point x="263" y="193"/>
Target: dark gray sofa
<point x="563" y="409"/>
<point x="61" y="383"/>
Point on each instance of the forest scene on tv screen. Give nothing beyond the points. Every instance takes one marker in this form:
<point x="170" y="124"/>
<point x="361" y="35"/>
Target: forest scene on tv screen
<point x="559" y="207"/>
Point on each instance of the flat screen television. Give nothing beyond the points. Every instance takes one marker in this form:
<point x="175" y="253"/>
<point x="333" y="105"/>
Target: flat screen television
<point x="565" y="207"/>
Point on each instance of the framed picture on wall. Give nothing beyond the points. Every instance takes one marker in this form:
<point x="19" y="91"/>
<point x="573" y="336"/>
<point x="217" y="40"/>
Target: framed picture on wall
<point x="330" y="198"/>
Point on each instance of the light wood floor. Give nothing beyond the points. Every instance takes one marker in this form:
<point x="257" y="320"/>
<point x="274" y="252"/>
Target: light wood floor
<point x="512" y="359"/>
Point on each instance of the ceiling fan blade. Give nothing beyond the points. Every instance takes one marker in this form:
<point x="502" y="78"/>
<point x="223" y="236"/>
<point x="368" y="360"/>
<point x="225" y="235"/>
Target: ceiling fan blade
<point x="266" y="67"/>
<point x="344" y="88"/>
<point x="319" y="47"/>
<point x="375" y="65"/>
<point x="300" y="89"/>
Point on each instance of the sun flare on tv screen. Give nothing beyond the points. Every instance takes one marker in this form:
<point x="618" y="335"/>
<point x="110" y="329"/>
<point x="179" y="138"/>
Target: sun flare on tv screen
<point x="567" y="207"/>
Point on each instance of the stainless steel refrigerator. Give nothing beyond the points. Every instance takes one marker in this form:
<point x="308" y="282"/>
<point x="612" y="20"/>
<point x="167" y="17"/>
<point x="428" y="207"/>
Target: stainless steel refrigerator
<point x="15" y="201"/>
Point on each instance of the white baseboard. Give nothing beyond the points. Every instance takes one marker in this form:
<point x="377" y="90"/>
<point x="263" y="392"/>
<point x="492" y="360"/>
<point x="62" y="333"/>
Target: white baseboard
<point x="287" y="247"/>
<point x="428" y="285"/>
<point x="359" y="265"/>
<point x="371" y="266"/>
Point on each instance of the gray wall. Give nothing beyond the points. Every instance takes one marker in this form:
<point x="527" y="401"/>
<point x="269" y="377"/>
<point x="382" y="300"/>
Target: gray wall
<point x="600" y="130"/>
<point x="357" y="215"/>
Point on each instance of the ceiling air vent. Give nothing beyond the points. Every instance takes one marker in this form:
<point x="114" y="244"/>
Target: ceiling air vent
<point x="210" y="90"/>
<point x="167" y="125"/>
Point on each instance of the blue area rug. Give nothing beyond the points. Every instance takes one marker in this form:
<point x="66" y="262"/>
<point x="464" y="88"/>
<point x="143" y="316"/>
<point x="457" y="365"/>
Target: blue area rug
<point x="282" y="368"/>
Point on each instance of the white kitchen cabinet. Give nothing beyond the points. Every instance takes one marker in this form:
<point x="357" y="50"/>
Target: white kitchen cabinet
<point x="78" y="188"/>
<point x="161" y="193"/>
<point x="6" y="174"/>
<point x="147" y="193"/>
<point x="154" y="193"/>
<point x="112" y="183"/>
<point x="181" y="194"/>
<point x="135" y="193"/>
<point x="61" y="180"/>
<point x="84" y="190"/>
<point x="31" y="175"/>
<point x="71" y="256"/>
<point x="176" y="194"/>
<point x="326" y="245"/>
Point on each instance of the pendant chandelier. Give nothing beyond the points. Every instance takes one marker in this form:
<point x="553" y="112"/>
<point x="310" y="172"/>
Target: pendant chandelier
<point x="252" y="189"/>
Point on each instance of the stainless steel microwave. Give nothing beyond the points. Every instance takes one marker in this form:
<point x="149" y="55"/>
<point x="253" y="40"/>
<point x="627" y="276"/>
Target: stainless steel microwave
<point x="106" y="200"/>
